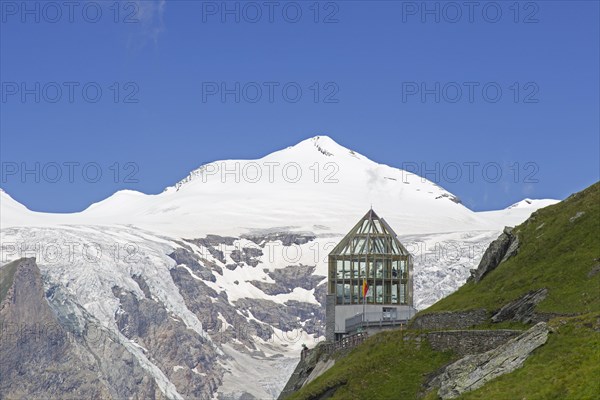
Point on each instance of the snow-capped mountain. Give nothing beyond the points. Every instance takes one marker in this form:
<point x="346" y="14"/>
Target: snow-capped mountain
<point x="230" y="263"/>
<point x="315" y="186"/>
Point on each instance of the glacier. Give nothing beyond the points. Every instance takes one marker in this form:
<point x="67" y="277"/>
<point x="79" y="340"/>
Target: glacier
<point x="236" y="255"/>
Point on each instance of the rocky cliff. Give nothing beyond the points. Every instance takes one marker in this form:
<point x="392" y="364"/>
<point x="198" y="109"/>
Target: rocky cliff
<point x="42" y="355"/>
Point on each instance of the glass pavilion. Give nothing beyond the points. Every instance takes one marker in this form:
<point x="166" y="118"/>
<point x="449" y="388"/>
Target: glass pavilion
<point x="371" y="251"/>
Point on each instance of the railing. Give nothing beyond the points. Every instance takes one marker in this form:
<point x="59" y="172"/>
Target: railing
<point x="346" y="343"/>
<point x="374" y="319"/>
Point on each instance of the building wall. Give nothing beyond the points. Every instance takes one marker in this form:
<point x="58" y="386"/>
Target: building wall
<point x="372" y="313"/>
<point x="330" y="318"/>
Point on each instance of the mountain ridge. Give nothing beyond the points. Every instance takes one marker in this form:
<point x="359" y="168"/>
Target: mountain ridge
<point x="315" y="182"/>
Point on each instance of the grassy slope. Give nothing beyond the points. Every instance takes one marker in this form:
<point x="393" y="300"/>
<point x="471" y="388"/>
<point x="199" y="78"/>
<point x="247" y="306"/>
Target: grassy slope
<point x="7" y="273"/>
<point x="555" y="253"/>
<point x="384" y="367"/>
<point x="558" y="255"/>
<point x="566" y="367"/>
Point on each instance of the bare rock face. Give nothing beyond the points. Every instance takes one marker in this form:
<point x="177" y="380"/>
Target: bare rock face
<point x="212" y="242"/>
<point x="286" y="238"/>
<point x="189" y="361"/>
<point x="289" y="278"/>
<point x="473" y="371"/>
<point x="186" y="257"/>
<point x="315" y="363"/>
<point x="134" y="341"/>
<point x="43" y="357"/>
<point x="499" y="251"/>
<point x="522" y="309"/>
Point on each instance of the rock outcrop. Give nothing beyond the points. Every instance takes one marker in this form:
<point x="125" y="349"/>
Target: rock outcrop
<point x="289" y="278"/>
<point x="474" y="371"/>
<point x="315" y="362"/>
<point x="499" y="251"/>
<point x="192" y="261"/>
<point x="522" y="309"/>
<point x="189" y="362"/>
<point x="42" y="355"/>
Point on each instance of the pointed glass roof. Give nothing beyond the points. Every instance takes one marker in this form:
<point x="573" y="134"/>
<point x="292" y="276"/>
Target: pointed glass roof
<point x="371" y="235"/>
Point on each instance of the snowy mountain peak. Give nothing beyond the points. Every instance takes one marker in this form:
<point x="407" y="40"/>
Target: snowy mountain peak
<point x="320" y="142"/>
<point x="316" y="148"/>
<point x="522" y="203"/>
<point x="309" y="153"/>
<point x="315" y="183"/>
<point x="531" y="203"/>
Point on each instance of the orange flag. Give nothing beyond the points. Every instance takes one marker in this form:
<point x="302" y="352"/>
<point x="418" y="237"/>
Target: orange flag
<point x="365" y="288"/>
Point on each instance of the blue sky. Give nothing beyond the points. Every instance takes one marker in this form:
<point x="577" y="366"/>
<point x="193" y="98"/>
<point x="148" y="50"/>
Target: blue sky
<point x="137" y="89"/>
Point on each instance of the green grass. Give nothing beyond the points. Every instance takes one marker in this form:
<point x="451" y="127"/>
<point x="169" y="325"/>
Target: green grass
<point x="566" y="367"/>
<point x="7" y="273"/>
<point x="384" y="367"/>
<point x="555" y="253"/>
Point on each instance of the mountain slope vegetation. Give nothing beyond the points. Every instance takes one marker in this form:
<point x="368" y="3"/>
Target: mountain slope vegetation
<point x="560" y="251"/>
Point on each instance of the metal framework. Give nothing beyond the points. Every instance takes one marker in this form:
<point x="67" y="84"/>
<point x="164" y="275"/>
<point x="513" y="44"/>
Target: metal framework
<point x="371" y="251"/>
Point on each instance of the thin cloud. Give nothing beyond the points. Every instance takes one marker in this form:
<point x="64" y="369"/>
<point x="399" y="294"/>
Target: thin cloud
<point x="150" y="22"/>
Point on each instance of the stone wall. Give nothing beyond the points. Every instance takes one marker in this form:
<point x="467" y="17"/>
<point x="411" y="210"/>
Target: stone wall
<point x="469" y="342"/>
<point x="475" y="370"/>
<point x="450" y="320"/>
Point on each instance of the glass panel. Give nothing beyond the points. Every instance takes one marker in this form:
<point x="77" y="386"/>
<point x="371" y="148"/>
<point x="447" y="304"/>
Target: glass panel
<point x="361" y="228"/>
<point x="404" y="274"/>
<point x="395" y="269"/>
<point x="363" y="269"/>
<point x="381" y="242"/>
<point x="387" y="296"/>
<point x="345" y="250"/>
<point x="340" y="269"/>
<point x="386" y="269"/>
<point x="402" y="294"/>
<point x="370" y="292"/>
<point x="395" y="293"/>
<point x="378" y="268"/>
<point x="379" y="293"/>
<point x="375" y="248"/>
<point x="347" y="271"/>
<point x="355" y="292"/>
<point x="366" y="227"/>
<point x="361" y="249"/>
<point x="355" y="270"/>
<point x="396" y="249"/>
<point x="339" y="289"/>
<point x="377" y="225"/>
<point x="346" y="293"/>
